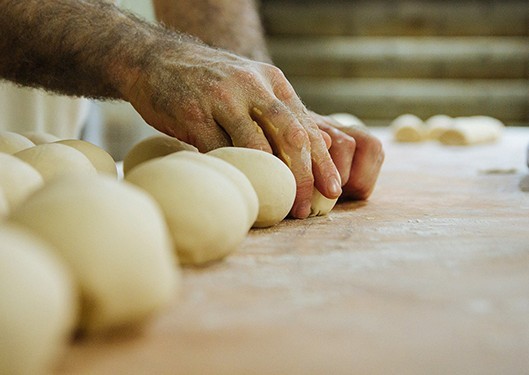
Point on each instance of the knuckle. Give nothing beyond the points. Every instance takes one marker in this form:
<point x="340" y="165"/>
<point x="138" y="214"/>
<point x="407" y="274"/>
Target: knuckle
<point x="374" y="146"/>
<point x="359" y="190"/>
<point x="247" y="76"/>
<point x="297" y="137"/>
<point x="345" y="142"/>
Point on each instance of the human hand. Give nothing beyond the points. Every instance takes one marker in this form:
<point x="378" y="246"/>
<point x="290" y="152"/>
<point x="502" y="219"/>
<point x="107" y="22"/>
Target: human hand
<point x="358" y="156"/>
<point x="212" y="98"/>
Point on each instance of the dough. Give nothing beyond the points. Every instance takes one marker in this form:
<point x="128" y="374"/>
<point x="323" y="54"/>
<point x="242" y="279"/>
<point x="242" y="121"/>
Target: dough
<point x="153" y="147"/>
<point x="346" y="120"/>
<point x="113" y="237"/>
<point x="472" y="130"/>
<point x="320" y="204"/>
<point x="4" y="206"/>
<point x="206" y="212"/>
<point x="18" y="179"/>
<point x="100" y="159"/>
<point x="39" y="138"/>
<point x="272" y="180"/>
<point x="437" y="125"/>
<point x="38" y="303"/>
<point x="408" y="128"/>
<point x="11" y="142"/>
<point x="236" y="176"/>
<point x="53" y="159"/>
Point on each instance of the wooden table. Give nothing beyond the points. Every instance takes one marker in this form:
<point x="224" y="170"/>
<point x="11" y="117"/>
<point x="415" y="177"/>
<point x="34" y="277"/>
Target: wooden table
<point x="431" y="276"/>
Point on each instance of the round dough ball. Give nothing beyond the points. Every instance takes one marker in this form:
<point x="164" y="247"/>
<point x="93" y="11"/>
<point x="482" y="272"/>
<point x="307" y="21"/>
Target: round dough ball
<point x="38" y="303"/>
<point x="18" y="179"/>
<point x="100" y="159"/>
<point x="437" y="125"/>
<point x="4" y="206"/>
<point x="114" y="238"/>
<point x="408" y="128"/>
<point x="39" y="138"/>
<point x="235" y="175"/>
<point x="11" y="142"/>
<point x="153" y="147"/>
<point x="320" y="204"/>
<point x="205" y="211"/>
<point x="53" y="160"/>
<point x="272" y="180"/>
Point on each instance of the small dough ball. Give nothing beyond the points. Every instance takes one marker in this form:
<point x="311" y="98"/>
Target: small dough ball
<point x="272" y="180"/>
<point x="11" y="142"/>
<point x="100" y="159"/>
<point x="18" y="179"/>
<point x="235" y="175"/>
<point x="437" y="125"/>
<point x="408" y="128"/>
<point x="38" y="303"/>
<point x="347" y="120"/>
<point x="39" y="138"/>
<point x="320" y="204"/>
<point x="4" y="206"/>
<point x="53" y="159"/>
<point x="472" y="130"/>
<point x="113" y="237"/>
<point x="206" y="212"/>
<point x="153" y="147"/>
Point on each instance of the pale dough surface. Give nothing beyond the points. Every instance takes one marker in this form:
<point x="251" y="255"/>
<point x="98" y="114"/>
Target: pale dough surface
<point x="114" y="238"/>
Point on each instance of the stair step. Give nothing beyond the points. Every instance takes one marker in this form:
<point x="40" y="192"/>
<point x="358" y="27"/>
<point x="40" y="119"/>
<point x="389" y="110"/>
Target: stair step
<point x="380" y="100"/>
<point x="403" y="57"/>
<point x="392" y="18"/>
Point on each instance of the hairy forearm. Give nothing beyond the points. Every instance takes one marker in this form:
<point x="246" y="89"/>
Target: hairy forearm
<point x="75" y="47"/>
<point x="233" y="25"/>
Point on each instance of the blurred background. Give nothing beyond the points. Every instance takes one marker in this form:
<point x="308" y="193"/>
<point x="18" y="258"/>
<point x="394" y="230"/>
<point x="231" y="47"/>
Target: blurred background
<point x="378" y="59"/>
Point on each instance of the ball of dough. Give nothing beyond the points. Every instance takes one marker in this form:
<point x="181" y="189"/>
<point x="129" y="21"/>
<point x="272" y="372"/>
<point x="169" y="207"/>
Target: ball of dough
<point x="38" y="303"/>
<point x="114" y="238"/>
<point x="205" y="211"/>
<point x="4" y="206"/>
<point x="18" y="179"/>
<point x="235" y="175"/>
<point x="408" y="128"/>
<point x="39" y="138"/>
<point x="437" y="125"/>
<point x="320" y="204"/>
<point x="11" y="142"/>
<point x="153" y="147"/>
<point x="273" y="182"/>
<point x="53" y="159"/>
<point x="100" y="159"/>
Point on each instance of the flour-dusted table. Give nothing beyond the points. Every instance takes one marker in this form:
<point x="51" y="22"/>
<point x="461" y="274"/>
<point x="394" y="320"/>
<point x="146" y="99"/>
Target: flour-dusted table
<point x="430" y="276"/>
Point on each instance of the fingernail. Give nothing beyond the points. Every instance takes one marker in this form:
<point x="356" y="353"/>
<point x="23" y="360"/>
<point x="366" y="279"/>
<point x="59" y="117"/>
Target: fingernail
<point x="335" y="187"/>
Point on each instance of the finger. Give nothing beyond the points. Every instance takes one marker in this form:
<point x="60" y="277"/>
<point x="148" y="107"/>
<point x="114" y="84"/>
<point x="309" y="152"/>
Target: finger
<point x="242" y="129"/>
<point x="326" y="138"/>
<point x="290" y="143"/>
<point x="326" y="177"/>
<point x="342" y="150"/>
<point x="366" y="166"/>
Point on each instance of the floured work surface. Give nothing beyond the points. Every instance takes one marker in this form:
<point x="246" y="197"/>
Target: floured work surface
<point x="430" y="276"/>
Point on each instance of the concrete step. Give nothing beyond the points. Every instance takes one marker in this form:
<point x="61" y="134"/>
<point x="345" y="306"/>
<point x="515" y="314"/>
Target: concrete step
<point x="397" y="18"/>
<point x="380" y="100"/>
<point x="403" y="57"/>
